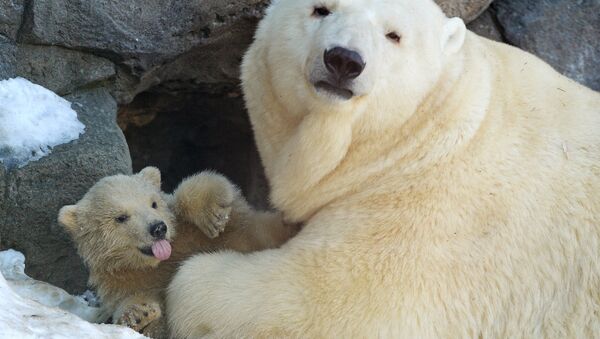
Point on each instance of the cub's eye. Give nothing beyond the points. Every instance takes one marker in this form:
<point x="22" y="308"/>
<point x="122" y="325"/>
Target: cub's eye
<point x="321" y="11"/>
<point x="394" y="37"/>
<point x="122" y="218"/>
<point x="154" y="205"/>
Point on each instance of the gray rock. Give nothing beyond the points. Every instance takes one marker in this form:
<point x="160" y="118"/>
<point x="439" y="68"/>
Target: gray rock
<point x="58" y="69"/>
<point x="8" y="58"/>
<point x="61" y="70"/>
<point x="11" y="13"/>
<point x="30" y="197"/>
<point x="565" y="33"/>
<point x="486" y="26"/>
<point x="468" y="10"/>
<point x="208" y="67"/>
<point x="139" y="33"/>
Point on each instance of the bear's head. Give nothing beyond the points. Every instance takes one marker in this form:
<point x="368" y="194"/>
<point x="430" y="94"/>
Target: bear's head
<point x="331" y="53"/>
<point x="121" y="222"/>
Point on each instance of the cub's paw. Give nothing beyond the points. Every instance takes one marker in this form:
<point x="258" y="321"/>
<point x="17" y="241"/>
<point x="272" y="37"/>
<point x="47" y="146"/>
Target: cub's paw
<point x="205" y="200"/>
<point x="138" y="316"/>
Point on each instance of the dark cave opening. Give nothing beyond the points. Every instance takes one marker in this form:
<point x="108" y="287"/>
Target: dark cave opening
<point x="183" y="133"/>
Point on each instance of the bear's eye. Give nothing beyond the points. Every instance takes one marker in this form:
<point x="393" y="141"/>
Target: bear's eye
<point x="321" y="11"/>
<point x="394" y="37"/>
<point x="154" y="205"/>
<point x="122" y="218"/>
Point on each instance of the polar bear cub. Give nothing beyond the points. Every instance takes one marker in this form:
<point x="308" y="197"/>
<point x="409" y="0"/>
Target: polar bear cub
<point x="132" y="236"/>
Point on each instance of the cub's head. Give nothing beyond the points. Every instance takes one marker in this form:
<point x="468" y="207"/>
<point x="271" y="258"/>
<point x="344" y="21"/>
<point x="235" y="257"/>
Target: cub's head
<point x="121" y="222"/>
<point x="341" y="52"/>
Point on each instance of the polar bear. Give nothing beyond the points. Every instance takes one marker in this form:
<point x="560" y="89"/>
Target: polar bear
<point x="449" y="185"/>
<point x="132" y="236"/>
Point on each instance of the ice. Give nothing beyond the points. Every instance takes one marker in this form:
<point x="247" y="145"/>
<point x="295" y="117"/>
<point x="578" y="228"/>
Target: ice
<point x="30" y="308"/>
<point x="33" y="119"/>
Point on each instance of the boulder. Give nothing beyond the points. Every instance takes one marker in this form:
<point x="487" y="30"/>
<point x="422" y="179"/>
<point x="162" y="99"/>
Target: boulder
<point x="31" y="196"/>
<point x="139" y="35"/>
<point x="8" y="58"/>
<point x="468" y="10"/>
<point x="61" y="70"/>
<point x="486" y="26"/>
<point x="11" y="13"/>
<point x="564" y="33"/>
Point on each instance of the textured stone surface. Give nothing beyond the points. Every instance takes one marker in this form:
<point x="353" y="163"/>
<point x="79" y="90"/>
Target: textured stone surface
<point x="565" y="33"/>
<point x="468" y="10"/>
<point x="11" y="13"/>
<point x="486" y="26"/>
<point x="139" y="35"/>
<point x="61" y="70"/>
<point x="30" y="197"/>
<point x="8" y="58"/>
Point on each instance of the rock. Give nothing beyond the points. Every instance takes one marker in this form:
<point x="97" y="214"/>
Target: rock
<point x="468" y="10"/>
<point x="486" y="26"/>
<point x="218" y="71"/>
<point x="140" y="34"/>
<point x="11" y="12"/>
<point x="565" y="33"/>
<point x="30" y="197"/>
<point x="58" y="69"/>
<point x="61" y="70"/>
<point x="8" y="58"/>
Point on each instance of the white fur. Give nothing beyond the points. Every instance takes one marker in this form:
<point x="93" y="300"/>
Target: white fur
<point x="439" y="202"/>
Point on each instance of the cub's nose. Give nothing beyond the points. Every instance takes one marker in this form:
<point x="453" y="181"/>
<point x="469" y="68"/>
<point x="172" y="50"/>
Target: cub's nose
<point x="345" y="64"/>
<point x="158" y="230"/>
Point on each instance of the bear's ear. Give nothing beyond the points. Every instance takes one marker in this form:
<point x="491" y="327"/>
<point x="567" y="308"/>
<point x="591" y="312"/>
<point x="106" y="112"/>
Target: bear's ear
<point x="453" y="35"/>
<point x="67" y="217"/>
<point x="152" y="175"/>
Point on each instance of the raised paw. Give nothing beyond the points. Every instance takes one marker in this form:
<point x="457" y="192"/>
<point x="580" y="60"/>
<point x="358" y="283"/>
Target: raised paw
<point x="205" y="200"/>
<point x="138" y="316"/>
<point x="217" y="217"/>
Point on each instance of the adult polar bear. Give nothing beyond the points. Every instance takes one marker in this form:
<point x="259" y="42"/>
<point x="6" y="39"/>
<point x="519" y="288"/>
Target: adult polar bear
<point x="449" y="185"/>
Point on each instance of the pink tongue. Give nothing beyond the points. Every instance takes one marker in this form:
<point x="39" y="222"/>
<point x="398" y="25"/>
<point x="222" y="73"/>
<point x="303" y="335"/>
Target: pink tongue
<point x="161" y="250"/>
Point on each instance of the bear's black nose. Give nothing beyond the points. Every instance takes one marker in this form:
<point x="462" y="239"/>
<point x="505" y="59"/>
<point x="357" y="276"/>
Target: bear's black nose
<point x="158" y="230"/>
<point x="343" y="63"/>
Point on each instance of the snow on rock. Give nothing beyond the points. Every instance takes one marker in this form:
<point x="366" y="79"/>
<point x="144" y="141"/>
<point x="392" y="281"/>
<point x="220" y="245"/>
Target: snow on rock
<point x="24" y="316"/>
<point x="33" y="119"/>
<point x="12" y="266"/>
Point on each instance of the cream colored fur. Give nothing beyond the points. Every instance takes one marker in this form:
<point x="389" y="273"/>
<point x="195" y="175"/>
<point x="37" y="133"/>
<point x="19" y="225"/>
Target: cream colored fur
<point x="205" y="213"/>
<point x="457" y="197"/>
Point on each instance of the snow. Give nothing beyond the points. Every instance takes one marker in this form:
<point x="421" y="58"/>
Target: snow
<point x="33" y="119"/>
<point x="30" y="308"/>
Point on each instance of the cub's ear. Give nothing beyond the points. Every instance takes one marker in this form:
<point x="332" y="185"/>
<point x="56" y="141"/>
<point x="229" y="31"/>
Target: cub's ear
<point x="453" y="35"/>
<point x="67" y="217"/>
<point x="152" y="175"/>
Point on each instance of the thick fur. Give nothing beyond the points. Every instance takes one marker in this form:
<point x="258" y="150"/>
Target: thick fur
<point x="458" y="196"/>
<point x="205" y="213"/>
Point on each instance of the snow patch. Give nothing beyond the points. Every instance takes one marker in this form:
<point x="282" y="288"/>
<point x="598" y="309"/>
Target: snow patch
<point x="33" y="119"/>
<point x="30" y="308"/>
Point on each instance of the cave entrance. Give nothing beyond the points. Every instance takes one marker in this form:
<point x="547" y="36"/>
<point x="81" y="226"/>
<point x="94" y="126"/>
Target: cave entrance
<point x="186" y="132"/>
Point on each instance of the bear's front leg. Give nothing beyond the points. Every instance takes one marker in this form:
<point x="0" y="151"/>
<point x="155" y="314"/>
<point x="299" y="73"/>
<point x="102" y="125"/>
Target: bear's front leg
<point x="137" y="312"/>
<point x="205" y="200"/>
<point x="234" y="295"/>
